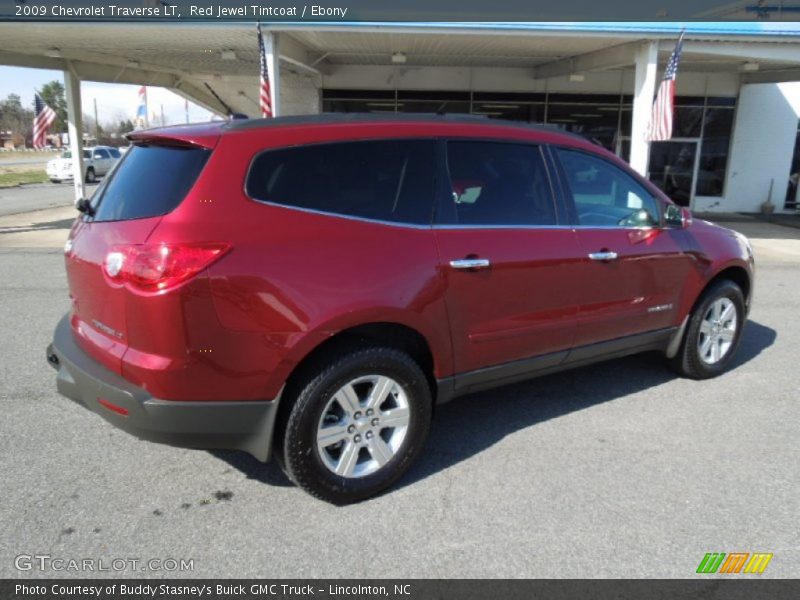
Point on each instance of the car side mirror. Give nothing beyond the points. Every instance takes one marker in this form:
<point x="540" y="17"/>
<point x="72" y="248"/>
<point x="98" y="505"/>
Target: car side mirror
<point x="677" y="217"/>
<point x="84" y="205"/>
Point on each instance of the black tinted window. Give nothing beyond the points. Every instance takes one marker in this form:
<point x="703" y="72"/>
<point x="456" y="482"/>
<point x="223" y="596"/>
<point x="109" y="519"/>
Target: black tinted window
<point x="115" y="153"/>
<point x="497" y="184"/>
<point x="149" y="181"/>
<point x="383" y="180"/>
<point x="101" y="153"/>
<point x="605" y="195"/>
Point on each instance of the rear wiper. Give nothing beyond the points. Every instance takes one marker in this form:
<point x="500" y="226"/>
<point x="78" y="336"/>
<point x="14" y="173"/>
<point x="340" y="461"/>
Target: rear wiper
<point x="84" y="205"/>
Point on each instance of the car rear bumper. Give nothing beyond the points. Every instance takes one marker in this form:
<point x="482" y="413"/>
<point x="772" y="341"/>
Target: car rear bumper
<point x="232" y="425"/>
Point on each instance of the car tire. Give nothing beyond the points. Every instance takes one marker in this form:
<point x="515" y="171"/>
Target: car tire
<point x="713" y="334"/>
<point x="366" y="454"/>
<point x="55" y="181"/>
<point x="90" y="175"/>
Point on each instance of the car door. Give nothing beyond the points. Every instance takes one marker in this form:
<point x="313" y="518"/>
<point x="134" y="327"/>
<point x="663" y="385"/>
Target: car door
<point x="633" y="268"/>
<point x="510" y="264"/>
<point x="102" y="161"/>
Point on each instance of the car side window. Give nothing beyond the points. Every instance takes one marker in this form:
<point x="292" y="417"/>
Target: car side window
<point x="496" y="183"/>
<point x="604" y="195"/>
<point x="385" y="180"/>
<point x="102" y="153"/>
<point x="115" y="153"/>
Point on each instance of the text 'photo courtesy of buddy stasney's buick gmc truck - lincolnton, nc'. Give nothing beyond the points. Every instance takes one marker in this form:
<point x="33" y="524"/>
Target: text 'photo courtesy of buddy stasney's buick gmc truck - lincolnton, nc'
<point x="309" y="288"/>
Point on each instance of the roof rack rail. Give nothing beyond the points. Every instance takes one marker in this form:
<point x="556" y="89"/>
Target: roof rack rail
<point x="334" y="118"/>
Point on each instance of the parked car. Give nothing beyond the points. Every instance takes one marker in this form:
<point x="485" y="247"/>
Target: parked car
<point x="311" y="287"/>
<point x="97" y="162"/>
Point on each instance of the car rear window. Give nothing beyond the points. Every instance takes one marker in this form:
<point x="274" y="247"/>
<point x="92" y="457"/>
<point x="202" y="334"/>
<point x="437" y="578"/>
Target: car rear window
<point x="149" y="181"/>
<point x="386" y="180"/>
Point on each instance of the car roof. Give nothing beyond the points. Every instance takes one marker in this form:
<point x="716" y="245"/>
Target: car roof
<point x="207" y="134"/>
<point x="399" y="118"/>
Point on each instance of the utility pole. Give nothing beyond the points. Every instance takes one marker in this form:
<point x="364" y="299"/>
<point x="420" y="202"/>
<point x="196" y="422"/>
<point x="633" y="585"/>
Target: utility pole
<point x="96" y="124"/>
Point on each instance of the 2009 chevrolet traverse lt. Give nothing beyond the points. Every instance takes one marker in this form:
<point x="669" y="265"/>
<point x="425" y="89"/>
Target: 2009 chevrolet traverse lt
<point x="312" y="286"/>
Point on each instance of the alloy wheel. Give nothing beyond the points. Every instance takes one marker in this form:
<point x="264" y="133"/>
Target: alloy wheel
<point x="717" y="331"/>
<point x="363" y="426"/>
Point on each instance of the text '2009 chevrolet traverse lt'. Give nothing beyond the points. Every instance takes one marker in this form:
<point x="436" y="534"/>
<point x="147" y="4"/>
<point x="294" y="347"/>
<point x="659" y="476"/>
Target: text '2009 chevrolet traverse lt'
<point x="310" y="287"/>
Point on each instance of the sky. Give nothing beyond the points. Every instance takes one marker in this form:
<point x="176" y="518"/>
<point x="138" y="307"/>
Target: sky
<point x="118" y="101"/>
<point x="114" y="101"/>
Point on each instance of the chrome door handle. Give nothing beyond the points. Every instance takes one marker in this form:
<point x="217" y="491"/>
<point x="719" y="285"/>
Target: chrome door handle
<point x="471" y="263"/>
<point x="606" y="255"/>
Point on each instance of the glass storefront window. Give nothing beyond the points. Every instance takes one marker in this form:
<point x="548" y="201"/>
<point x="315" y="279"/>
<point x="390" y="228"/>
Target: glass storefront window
<point x="792" y="193"/>
<point x="714" y="151"/>
<point x="598" y="123"/>
<point x="625" y="150"/>
<point x="626" y="121"/>
<point x="536" y="98"/>
<point x="689" y="101"/>
<point x="441" y="107"/>
<point x="526" y="113"/>
<point x="687" y="122"/>
<point x="602" y="118"/>
<point x="672" y="169"/>
<point x="358" y="106"/>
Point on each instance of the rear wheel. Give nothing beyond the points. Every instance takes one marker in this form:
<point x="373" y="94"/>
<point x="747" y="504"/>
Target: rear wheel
<point x="357" y="425"/>
<point x="713" y="333"/>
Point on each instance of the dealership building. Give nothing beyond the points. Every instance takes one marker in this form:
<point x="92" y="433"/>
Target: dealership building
<point x="735" y="142"/>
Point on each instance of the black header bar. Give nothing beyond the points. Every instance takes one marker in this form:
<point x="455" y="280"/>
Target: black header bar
<point x="407" y="11"/>
<point x="706" y="587"/>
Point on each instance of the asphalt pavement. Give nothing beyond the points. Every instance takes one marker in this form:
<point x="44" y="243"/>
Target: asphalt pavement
<point x="614" y="470"/>
<point x="27" y="198"/>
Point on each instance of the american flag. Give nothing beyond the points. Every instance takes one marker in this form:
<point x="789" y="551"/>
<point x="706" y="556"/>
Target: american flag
<point x="141" y="111"/>
<point x="664" y="105"/>
<point x="42" y="119"/>
<point x="264" y="95"/>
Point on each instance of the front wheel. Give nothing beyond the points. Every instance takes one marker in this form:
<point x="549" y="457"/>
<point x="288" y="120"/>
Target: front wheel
<point x="713" y="333"/>
<point x="90" y="175"/>
<point x="357" y="425"/>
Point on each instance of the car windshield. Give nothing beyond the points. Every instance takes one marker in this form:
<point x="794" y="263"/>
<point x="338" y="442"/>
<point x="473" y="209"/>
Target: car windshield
<point x="68" y="154"/>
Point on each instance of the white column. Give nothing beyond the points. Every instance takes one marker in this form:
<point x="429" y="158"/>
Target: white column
<point x="643" y="94"/>
<point x="75" y="128"/>
<point x="272" y="50"/>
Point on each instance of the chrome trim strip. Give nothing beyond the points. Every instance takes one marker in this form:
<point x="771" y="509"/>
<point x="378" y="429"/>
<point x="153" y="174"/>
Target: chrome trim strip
<point x="603" y="256"/>
<point x="339" y="215"/>
<point x="471" y="263"/>
<point x="572" y="227"/>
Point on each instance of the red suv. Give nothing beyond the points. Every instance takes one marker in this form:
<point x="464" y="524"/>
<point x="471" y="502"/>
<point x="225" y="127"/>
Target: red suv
<point x="313" y="286"/>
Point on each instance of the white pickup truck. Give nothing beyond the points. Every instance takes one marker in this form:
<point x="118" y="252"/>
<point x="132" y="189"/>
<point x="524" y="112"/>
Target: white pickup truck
<point x="97" y="161"/>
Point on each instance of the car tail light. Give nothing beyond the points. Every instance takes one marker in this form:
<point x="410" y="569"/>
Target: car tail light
<point x="156" y="268"/>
